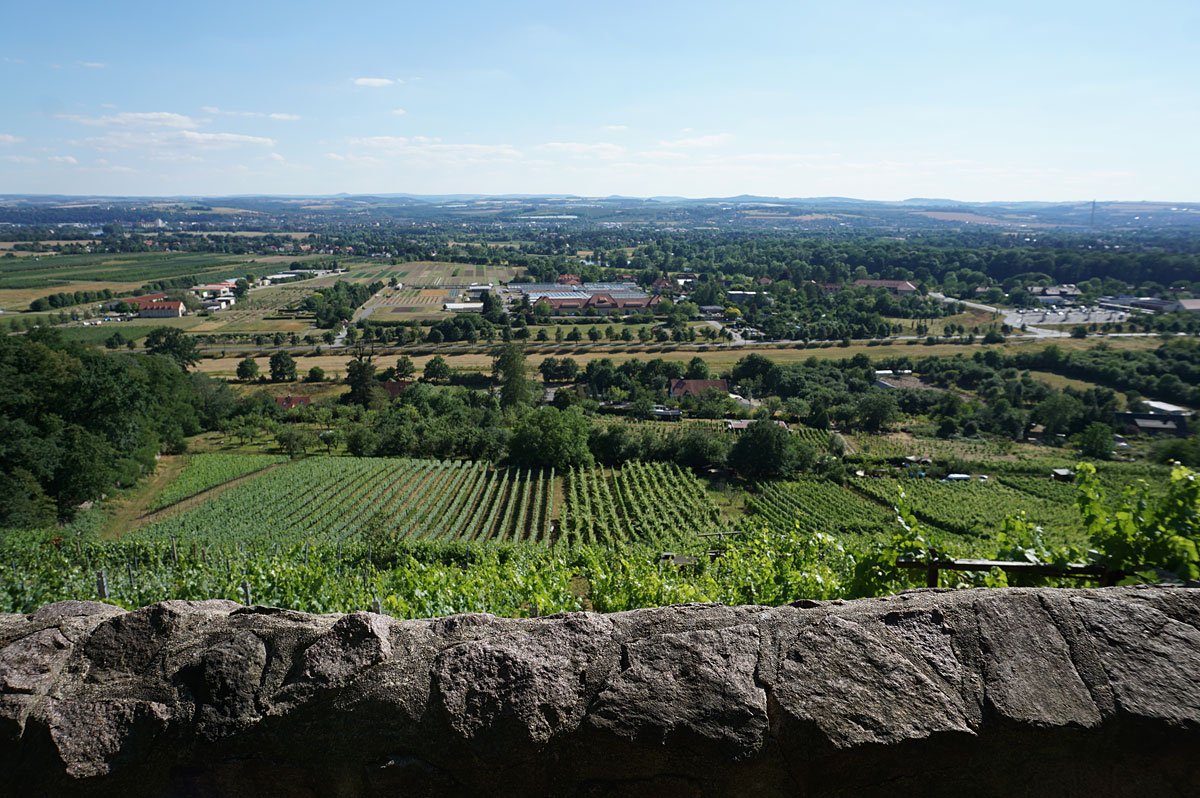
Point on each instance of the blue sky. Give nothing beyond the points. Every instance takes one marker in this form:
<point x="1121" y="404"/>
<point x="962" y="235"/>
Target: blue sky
<point x="972" y="101"/>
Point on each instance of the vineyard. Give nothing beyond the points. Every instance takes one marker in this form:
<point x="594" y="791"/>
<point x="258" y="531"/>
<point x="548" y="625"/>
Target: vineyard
<point x="641" y="502"/>
<point x="817" y="437"/>
<point x="817" y="505"/>
<point x="976" y="508"/>
<point x="664" y="429"/>
<point x="204" y="471"/>
<point x="347" y="498"/>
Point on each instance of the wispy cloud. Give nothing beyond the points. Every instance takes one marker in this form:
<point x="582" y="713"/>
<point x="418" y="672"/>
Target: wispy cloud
<point x="17" y="159"/>
<point x="276" y="156"/>
<point x="375" y="82"/>
<point x="225" y="139"/>
<point x="584" y="150"/>
<point x="67" y="159"/>
<point x="615" y="127"/>
<point x="399" y="112"/>
<point x="135" y="121"/>
<point x="8" y="138"/>
<point x="663" y="155"/>
<point x="715" y="140"/>
<point x="424" y="151"/>
<point x="209" y="109"/>
<point x="174" y="140"/>
<point x="92" y="64"/>
<point x="8" y="60"/>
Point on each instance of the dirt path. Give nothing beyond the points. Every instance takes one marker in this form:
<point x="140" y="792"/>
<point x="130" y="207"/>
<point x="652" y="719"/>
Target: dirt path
<point x="126" y="512"/>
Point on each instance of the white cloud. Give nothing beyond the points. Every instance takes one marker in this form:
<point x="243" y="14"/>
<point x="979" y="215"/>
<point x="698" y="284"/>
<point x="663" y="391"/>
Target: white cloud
<point x="583" y="150"/>
<point x="67" y="159"/>
<point x="209" y="109"/>
<point x="616" y="127"/>
<point x="92" y="65"/>
<point x="278" y="157"/>
<point x="17" y="159"/>
<point x="715" y="140"/>
<point x="8" y="138"/>
<point x="374" y="82"/>
<point x="136" y="121"/>
<point x="399" y="112"/>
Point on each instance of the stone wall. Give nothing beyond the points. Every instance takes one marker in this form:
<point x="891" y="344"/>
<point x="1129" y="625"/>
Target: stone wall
<point x="980" y="692"/>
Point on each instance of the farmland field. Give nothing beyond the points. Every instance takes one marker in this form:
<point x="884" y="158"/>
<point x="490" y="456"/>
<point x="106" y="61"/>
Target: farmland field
<point x="430" y="274"/>
<point x="397" y="304"/>
<point x="64" y="270"/>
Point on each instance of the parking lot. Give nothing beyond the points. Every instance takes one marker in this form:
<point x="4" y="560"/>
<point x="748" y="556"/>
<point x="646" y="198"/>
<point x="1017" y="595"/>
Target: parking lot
<point x="1072" y="315"/>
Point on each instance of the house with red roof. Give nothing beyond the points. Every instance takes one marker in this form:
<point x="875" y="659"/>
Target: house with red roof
<point x="603" y="303"/>
<point x="160" y="310"/>
<point x="678" y="389"/>
<point x="291" y="402"/>
<point x="894" y="287"/>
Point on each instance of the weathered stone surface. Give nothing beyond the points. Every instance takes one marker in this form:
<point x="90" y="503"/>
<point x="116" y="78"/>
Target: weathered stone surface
<point x="1072" y="692"/>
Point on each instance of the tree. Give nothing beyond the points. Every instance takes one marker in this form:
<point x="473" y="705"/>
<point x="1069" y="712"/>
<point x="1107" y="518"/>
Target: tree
<point x="1096" y="441"/>
<point x="247" y="370"/>
<point x="697" y="369"/>
<point x="360" y="376"/>
<point x="315" y="374"/>
<point x="875" y="409"/>
<point x="404" y="367"/>
<point x="762" y="451"/>
<point x="294" y="440"/>
<point x="1058" y="413"/>
<point x="437" y="369"/>
<point x="283" y="367"/>
<point x="550" y="437"/>
<point x="331" y="438"/>
<point x="173" y="343"/>
<point x="362" y="441"/>
<point x="509" y="364"/>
